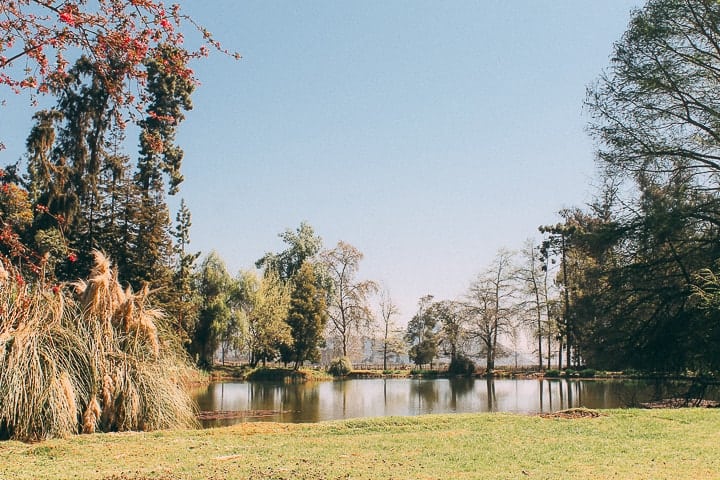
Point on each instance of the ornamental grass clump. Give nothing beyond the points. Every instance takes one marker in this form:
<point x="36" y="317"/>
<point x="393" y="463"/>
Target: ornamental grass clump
<point x="92" y="361"/>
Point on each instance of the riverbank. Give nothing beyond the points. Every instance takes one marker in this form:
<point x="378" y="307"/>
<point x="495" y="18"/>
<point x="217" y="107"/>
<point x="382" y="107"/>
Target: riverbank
<point x="628" y="444"/>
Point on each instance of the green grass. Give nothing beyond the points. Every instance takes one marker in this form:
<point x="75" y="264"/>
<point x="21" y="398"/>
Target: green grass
<point x="625" y="444"/>
<point x="246" y="373"/>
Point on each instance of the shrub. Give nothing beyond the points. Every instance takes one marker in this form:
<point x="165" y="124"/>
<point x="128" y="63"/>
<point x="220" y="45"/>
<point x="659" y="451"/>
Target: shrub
<point x="461" y="365"/>
<point x="92" y="362"/>
<point x="339" y="367"/>
<point x="553" y="373"/>
<point x="587" y="373"/>
<point x="569" y="372"/>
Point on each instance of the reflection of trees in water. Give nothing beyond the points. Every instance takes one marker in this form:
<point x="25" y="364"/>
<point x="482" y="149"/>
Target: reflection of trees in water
<point x="203" y="396"/>
<point x="459" y="388"/>
<point x="491" y="396"/>
<point x="561" y="394"/>
<point x="341" y="387"/>
<point x="302" y="400"/>
<point x="264" y="396"/>
<point x="426" y="393"/>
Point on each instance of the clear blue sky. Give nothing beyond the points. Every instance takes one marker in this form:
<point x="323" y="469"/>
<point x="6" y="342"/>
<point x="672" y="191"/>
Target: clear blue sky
<point x="428" y="134"/>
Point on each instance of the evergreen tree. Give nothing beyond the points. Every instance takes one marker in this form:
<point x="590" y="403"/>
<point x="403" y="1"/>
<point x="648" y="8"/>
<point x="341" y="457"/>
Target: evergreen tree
<point x="183" y="299"/>
<point x="159" y="158"/>
<point x="307" y="316"/>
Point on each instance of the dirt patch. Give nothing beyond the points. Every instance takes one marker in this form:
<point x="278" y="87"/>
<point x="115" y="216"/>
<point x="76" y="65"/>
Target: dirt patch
<point x="573" y="413"/>
<point x="232" y="414"/>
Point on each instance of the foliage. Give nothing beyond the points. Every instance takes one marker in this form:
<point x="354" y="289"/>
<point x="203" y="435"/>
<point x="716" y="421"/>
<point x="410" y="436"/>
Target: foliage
<point x="307" y="317"/>
<point x="587" y="373"/>
<point x="453" y="320"/>
<point x="98" y="362"/>
<point x="461" y="365"/>
<point x="552" y="373"/>
<point x="422" y="334"/>
<point x="303" y="245"/>
<point x="655" y="227"/>
<point x="119" y="35"/>
<point x="265" y="302"/>
<point x="219" y="323"/>
<point x="339" y="367"/>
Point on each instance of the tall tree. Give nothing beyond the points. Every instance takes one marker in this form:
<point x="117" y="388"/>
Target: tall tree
<point x="558" y="243"/>
<point x="654" y="114"/>
<point x="452" y="318"/>
<point x="307" y="316"/>
<point x="265" y="302"/>
<point x="348" y="305"/>
<point x="303" y="245"/>
<point x="491" y="306"/>
<point x="532" y="274"/>
<point x="390" y="343"/>
<point x="183" y="300"/>
<point x="158" y="171"/>
<point x="422" y="333"/>
<point x="215" y="317"/>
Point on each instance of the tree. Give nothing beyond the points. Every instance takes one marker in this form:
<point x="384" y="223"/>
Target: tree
<point x="307" y="316"/>
<point x="265" y="303"/>
<point x="655" y="116"/>
<point x="422" y="334"/>
<point x="558" y="243"/>
<point x="452" y="318"/>
<point x="654" y="111"/>
<point x="388" y="310"/>
<point x="534" y="277"/>
<point x="348" y="306"/>
<point x="184" y="300"/>
<point x="169" y="96"/>
<point x="119" y="36"/>
<point x="303" y="245"/>
<point x="215" y="317"/>
<point x="490" y="305"/>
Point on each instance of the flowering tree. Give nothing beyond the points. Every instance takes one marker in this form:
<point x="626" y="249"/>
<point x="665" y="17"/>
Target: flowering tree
<point x="119" y="36"/>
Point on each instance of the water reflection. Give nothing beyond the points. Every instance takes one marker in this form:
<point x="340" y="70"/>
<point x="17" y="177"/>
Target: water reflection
<point x="424" y="395"/>
<point x="313" y="402"/>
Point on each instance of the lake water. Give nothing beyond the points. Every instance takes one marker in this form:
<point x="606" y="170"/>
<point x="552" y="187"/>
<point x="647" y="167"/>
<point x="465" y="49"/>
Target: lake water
<point x="320" y="401"/>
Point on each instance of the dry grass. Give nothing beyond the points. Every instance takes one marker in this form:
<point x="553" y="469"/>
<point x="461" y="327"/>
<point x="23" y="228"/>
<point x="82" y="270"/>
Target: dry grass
<point x="85" y="363"/>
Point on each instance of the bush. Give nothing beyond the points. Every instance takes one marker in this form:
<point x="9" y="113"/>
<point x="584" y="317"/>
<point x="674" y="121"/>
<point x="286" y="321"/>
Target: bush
<point x="587" y="373"/>
<point x="554" y="373"/>
<point x="340" y="367"/>
<point x="84" y="364"/>
<point x="569" y="372"/>
<point x="461" y="365"/>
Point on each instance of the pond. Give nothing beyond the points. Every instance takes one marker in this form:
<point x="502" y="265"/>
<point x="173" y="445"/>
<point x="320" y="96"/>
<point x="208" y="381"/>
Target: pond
<point x="320" y="401"/>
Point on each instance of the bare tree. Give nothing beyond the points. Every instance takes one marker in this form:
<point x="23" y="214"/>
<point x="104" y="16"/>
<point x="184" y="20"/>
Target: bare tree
<point x="348" y="301"/>
<point x="533" y="277"/>
<point x="391" y="343"/>
<point x="491" y="306"/>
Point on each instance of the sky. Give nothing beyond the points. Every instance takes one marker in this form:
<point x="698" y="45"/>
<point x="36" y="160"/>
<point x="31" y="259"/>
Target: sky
<point x="427" y="134"/>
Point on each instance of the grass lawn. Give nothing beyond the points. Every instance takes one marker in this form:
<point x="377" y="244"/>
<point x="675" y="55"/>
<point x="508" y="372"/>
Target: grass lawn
<point x="621" y="444"/>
